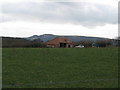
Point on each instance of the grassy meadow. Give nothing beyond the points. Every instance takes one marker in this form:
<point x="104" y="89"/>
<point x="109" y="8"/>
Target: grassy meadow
<point x="60" y="67"/>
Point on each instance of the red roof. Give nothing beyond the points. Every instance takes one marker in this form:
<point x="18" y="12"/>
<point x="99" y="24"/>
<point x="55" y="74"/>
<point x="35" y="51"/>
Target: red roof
<point x="58" y="40"/>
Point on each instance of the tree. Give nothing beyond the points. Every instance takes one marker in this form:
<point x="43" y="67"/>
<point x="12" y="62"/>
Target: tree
<point x="104" y="43"/>
<point x="86" y="43"/>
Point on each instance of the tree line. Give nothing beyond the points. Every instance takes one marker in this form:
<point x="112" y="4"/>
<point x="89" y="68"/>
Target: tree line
<point x="20" y="42"/>
<point x="99" y="43"/>
<point x="8" y="42"/>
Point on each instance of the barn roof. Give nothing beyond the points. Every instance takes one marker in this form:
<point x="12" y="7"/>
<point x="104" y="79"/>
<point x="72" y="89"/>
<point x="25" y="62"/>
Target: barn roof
<point x="58" y="40"/>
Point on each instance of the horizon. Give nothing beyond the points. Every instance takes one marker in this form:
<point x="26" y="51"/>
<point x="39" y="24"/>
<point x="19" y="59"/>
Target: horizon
<point x="57" y="35"/>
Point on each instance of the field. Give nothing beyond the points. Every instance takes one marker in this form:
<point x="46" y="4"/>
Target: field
<point x="60" y="67"/>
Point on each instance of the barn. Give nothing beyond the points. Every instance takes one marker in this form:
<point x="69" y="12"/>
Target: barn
<point x="60" y="42"/>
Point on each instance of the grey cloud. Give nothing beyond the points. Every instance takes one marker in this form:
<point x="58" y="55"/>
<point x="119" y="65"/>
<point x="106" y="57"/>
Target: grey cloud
<point x="85" y="14"/>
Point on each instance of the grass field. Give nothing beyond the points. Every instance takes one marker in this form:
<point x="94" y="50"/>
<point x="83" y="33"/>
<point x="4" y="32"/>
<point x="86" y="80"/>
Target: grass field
<point x="60" y="67"/>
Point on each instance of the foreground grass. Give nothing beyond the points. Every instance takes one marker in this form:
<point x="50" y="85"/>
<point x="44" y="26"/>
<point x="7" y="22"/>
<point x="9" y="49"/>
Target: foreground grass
<point x="0" y="68"/>
<point x="60" y="67"/>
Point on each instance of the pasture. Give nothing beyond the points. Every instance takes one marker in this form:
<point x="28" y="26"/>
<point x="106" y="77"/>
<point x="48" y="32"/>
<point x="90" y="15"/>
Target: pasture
<point x="60" y="67"/>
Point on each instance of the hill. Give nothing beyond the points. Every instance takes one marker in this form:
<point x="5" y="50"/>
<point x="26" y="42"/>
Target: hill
<point x="46" y="37"/>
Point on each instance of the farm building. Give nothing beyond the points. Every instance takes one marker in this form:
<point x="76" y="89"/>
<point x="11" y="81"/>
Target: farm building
<point x="60" y="42"/>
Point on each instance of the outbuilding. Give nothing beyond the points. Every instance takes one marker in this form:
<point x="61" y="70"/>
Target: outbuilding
<point x="60" y="42"/>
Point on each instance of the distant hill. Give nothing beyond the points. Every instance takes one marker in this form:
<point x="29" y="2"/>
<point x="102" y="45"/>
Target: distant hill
<point x="40" y="40"/>
<point x="47" y="37"/>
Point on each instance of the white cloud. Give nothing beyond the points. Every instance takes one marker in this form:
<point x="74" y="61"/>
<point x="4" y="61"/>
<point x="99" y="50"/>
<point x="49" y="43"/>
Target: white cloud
<point x="24" y="29"/>
<point x="85" y="14"/>
<point x="21" y="18"/>
<point x="109" y="2"/>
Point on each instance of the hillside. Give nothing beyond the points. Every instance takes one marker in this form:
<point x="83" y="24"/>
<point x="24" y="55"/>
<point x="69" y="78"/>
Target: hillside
<point x="46" y="37"/>
<point x="40" y="40"/>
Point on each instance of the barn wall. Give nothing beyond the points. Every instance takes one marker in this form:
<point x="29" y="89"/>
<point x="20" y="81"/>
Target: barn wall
<point x="58" y="46"/>
<point x="69" y="45"/>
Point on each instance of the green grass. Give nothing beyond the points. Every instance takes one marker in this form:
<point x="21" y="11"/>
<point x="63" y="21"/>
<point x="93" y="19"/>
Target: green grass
<point x="60" y="67"/>
<point x="0" y="68"/>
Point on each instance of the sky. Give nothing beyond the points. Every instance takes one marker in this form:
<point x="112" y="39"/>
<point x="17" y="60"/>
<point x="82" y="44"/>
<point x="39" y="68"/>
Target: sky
<point x="24" y="18"/>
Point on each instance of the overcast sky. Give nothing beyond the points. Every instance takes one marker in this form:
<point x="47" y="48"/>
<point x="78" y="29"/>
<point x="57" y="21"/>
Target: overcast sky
<point x="23" y="18"/>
